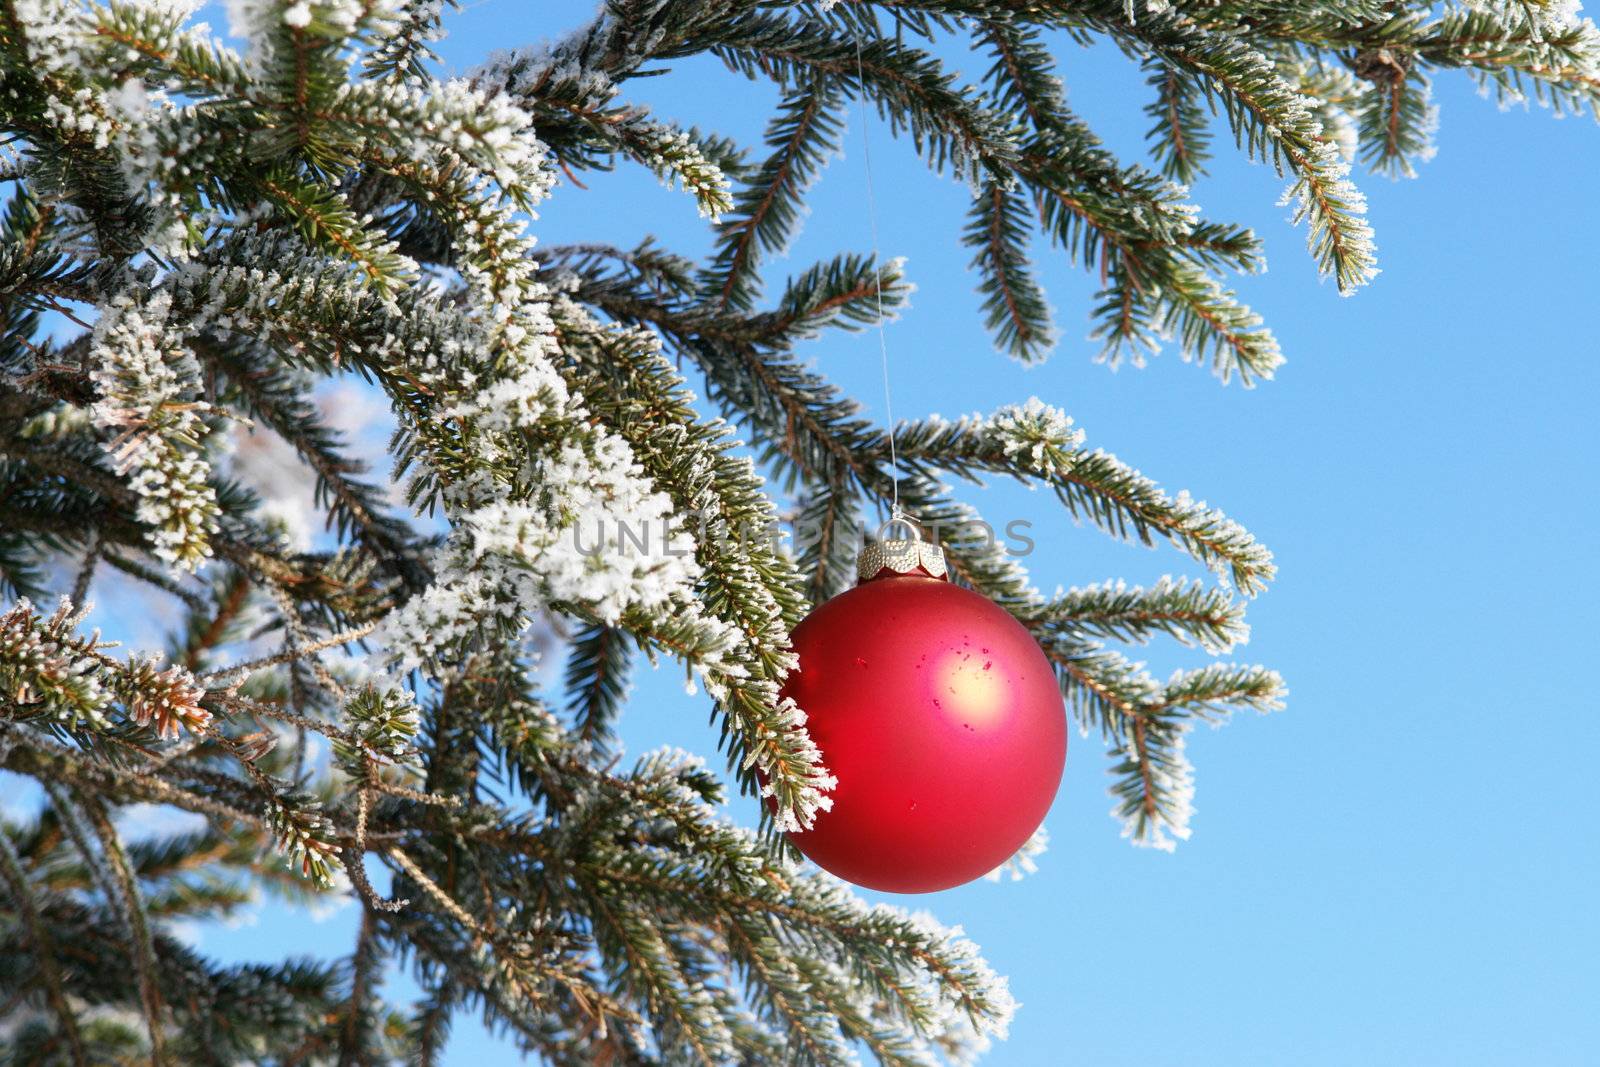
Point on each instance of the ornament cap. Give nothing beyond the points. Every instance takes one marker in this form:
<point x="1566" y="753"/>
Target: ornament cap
<point x="901" y="555"/>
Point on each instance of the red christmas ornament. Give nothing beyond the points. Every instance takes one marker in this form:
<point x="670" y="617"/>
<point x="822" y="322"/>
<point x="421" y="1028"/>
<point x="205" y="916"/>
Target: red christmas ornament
<point x="940" y="717"/>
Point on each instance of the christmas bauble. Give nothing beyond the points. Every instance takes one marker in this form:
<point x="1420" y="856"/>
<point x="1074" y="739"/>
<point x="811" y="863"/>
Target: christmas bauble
<point x="939" y="716"/>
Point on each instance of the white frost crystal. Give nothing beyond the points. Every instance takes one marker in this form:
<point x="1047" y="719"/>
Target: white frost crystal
<point x="1033" y="430"/>
<point x="1023" y="862"/>
<point x="150" y="390"/>
<point x="1173" y="779"/>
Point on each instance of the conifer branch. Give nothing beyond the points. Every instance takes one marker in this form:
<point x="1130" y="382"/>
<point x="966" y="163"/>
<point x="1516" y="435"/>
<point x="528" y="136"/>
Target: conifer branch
<point x="1179" y="139"/>
<point x="802" y="135"/>
<point x="828" y="534"/>
<point x="130" y="902"/>
<point x="597" y="680"/>
<point x="1190" y="612"/>
<point x="1013" y="300"/>
<point x="44" y="949"/>
<point x="912" y="92"/>
<point x="1395" y="115"/>
<point x="1091" y="484"/>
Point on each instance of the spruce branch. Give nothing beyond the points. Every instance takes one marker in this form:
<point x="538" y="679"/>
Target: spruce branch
<point x="1179" y="137"/>
<point x="802" y="135"/>
<point x="1188" y="611"/>
<point x="1395" y="115"/>
<point x="1269" y="121"/>
<point x="828" y="533"/>
<point x="1036" y="443"/>
<point x="845" y="292"/>
<point x="1013" y="300"/>
<point x="130" y="903"/>
<point x="44" y="949"/>
<point x="406" y="50"/>
<point x="679" y="157"/>
<point x="325" y="219"/>
<point x="597" y="682"/>
<point x="912" y="93"/>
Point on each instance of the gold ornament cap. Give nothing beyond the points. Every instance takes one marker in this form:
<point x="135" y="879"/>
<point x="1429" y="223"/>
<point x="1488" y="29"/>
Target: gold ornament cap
<point x="901" y="555"/>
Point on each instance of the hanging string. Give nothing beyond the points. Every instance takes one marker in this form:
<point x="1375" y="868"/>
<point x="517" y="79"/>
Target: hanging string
<point x="877" y="274"/>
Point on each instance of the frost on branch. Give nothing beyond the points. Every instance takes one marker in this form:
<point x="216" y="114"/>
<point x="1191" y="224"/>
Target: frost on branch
<point x="1023" y="863"/>
<point x="1155" y="795"/>
<point x="382" y="720"/>
<point x="46" y="668"/>
<point x="166" y="699"/>
<point x="261" y="22"/>
<point x="150" y="390"/>
<point x="1036" y="434"/>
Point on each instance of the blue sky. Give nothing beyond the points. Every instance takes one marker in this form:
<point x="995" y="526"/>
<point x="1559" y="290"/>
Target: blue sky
<point x="1400" y="867"/>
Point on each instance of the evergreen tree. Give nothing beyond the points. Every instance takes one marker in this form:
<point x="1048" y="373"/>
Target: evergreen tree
<point x="198" y="234"/>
